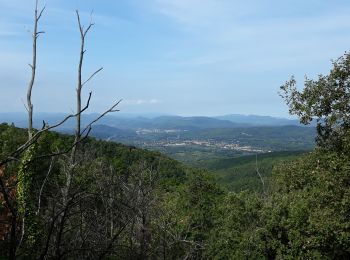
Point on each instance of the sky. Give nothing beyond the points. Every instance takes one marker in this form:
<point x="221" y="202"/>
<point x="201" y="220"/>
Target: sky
<point x="183" y="57"/>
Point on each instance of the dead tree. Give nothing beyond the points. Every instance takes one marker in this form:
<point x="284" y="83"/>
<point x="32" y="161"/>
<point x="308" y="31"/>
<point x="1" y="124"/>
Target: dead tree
<point x="79" y="132"/>
<point x="25" y="179"/>
<point x="35" y="35"/>
<point x="10" y="201"/>
<point x="33" y="136"/>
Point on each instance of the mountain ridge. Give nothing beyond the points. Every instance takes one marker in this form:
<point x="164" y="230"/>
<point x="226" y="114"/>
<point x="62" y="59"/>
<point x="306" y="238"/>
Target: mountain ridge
<point x="125" y="121"/>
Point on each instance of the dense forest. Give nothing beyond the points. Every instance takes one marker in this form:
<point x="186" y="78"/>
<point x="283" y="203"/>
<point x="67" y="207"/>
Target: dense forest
<point x="121" y="202"/>
<point x="76" y="197"/>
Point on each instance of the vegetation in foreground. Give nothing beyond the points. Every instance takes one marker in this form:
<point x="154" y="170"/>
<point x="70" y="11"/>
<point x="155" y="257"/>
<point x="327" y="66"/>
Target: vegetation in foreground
<point x="121" y="202"/>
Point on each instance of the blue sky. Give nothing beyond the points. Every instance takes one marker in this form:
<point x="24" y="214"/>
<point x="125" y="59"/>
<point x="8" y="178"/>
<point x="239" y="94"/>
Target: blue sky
<point x="186" y="57"/>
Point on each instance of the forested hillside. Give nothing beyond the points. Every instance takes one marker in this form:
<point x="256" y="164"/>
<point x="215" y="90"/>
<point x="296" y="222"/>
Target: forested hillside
<point x="240" y="173"/>
<point x="121" y="202"/>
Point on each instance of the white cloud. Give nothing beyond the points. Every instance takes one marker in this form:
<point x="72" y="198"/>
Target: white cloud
<point x="133" y="102"/>
<point x="257" y="33"/>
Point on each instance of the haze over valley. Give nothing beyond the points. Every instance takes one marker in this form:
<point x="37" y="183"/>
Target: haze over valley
<point x="192" y="139"/>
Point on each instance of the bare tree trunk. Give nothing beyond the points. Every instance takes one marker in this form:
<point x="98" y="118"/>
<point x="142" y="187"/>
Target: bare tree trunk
<point x="77" y="137"/>
<point x="80" y="84"/>
<point x="78" y="132"/>
<point x="259" y="174"/>
<point x="35" y="35"/>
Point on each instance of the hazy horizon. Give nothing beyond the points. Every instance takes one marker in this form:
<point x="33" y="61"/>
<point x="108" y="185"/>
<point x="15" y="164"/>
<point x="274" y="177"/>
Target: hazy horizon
<point x="140" y="114"/>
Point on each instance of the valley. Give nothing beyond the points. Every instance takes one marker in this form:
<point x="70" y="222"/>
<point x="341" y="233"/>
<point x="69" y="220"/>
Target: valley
<point x="192" y="140"/>
<point x="230" y="150"/>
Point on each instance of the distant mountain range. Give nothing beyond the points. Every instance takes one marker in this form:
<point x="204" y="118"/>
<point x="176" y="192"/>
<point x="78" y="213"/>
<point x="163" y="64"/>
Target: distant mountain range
<point x="132" y="122"/>
<point x="258" y="132"/>
<point x="256" y="120"/>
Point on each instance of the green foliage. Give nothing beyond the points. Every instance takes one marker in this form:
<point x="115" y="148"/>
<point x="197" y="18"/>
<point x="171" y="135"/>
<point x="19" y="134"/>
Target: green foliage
<point x="146" y="187"/>
<point x="200" y="199"/>
<point x="312" y="207"/>
<point x="26" y="201"/>
<point x="239" y="174"/>
<point x="305" y="216"/>
<point x="236" y="228"/>
<point x="192" y="210"/>
<point x="24" y="177"/>
<point x="10" y="138"/>
<point x="326" y="99"/>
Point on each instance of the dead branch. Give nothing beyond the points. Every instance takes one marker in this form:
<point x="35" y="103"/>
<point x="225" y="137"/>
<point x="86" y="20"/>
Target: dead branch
<point x="92" y="75"/>
<point x="260" y="176"/>
<point x="43" y="184"/>
<point x="110" y="110"/>
<point x="14" y="155"/>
